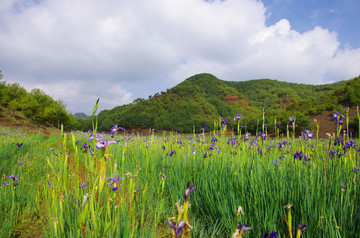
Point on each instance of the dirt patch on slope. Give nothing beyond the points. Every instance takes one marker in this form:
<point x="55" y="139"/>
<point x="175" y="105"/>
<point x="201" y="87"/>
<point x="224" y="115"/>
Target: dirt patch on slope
<point x="327" y="123"/>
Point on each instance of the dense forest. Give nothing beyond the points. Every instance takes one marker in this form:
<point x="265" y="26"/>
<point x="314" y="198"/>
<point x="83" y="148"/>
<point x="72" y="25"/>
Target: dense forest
<point x="36" y="105"/>
<point x="203" y="100"/>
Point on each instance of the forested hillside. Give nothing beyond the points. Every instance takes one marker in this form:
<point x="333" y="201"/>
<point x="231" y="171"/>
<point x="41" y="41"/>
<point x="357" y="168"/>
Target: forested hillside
<point x="35" y="105"/>
<point x="204" y="99"/>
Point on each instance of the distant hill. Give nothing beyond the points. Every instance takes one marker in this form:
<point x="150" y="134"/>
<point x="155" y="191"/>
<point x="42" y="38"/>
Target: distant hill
<point x="80" y="115"/>
<point x="201" y="99"/>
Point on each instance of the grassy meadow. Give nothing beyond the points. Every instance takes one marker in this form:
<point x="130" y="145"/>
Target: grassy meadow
<point x="166" y="184"/>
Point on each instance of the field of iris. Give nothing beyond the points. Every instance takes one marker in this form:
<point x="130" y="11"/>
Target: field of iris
<point x="130" y="185"/>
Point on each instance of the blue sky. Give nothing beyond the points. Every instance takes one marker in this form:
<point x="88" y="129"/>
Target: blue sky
<point x="120" y="50"/>
<point x="336" y="15"/>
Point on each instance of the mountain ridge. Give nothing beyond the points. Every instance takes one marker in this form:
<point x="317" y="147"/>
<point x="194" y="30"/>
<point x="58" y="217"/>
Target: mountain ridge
<point x="200" y="99"/>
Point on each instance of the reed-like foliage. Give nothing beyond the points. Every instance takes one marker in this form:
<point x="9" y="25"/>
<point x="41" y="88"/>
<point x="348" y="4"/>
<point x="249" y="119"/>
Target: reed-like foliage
<point x="130" y="185"/>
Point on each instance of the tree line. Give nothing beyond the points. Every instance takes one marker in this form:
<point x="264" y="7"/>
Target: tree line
<point x="36" y="105"/>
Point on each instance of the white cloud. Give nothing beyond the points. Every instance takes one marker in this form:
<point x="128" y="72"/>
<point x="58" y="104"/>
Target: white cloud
<point x="66" y="47"/>
<point x="79" y="95"/>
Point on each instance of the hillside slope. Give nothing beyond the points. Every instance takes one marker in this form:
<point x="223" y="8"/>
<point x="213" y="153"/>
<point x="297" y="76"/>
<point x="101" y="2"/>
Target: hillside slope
<point x="200" y="100"/>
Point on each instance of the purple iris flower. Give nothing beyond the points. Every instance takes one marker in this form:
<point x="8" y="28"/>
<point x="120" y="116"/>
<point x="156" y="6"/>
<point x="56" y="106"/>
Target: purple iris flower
<point x="6" y="183"/>
<point x="338" y="117"/>
<point x="332" y="153"/>
<point x="262" y="135"/>
<point x="270" y="235"/>
<point x="114" y="129"/>
<point x="101" y="141"/>
<point x="114" y="179"/>
<point x="213" y="140"/>
<point x="254" y="142"/>
<point x="348" y="145"/>
<point x="212" y="146"/>
<point x="263" y="109"/>
<point x="224" y="122"/>
<point x="171" y="152"/>
<point x="189" y="188"/>
<point x="278" y="126"/>
<point x="298" y="155"/>
<point x="302" y="227"/>
<point x="355" y="170"/>
<point x="238" y="117"/>
<point x="20" y="163"/>
<point x="178" y="228"/>
<point x="13" y="177"/>
<point x="232" y="140"/>
<point x="307" y="134"/>
<point x="292" y="119"/>
<point x="83" y="185"/>
<point x="19" y="145"/>
<point x="243" y="228"/>
<point x="112" y="182"/>
<point x="85" y="147"/>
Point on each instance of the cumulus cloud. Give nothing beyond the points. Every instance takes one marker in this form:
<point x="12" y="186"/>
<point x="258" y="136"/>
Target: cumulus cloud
<point x="119" y="50"/>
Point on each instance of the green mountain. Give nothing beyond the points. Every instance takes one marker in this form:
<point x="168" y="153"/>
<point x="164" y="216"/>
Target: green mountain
<point x="202" y="98"/>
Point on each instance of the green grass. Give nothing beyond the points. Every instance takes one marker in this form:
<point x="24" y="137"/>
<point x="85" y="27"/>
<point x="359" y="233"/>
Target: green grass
<point x="262" y="179"/>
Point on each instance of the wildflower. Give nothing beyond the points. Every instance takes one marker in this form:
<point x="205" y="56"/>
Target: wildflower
<point x="278" y="126"/>
<point x="213" y="140"/>
<point x="298" y="155"/>
<point x="20" y="163"/>
<point x="301" y="228"/>
<point x="224" y="122"/>
<point x="83" y="185"/>
<point x="112" y="182"/>
<point x="349" y="144"/>
<point x="136" y="189"/>
<point x="262" y="135"/>
<point x="85" y="147"/>
<point x="292" y="119"/>
<point x="13" y="177"/>
<point x="189" y="188"/>
<point x="102" y="143"/>
<point x="176" y="230"/>
<point x="332" y="153"/>
<point x="263" y="109"/>
<point x="307" y="134"/>
<point x="238" y="117"/>
<point x="232" y="140"/>
<point x="211" y="146"/>
<point x="241" y="230"/>
<point x="114" y="129"/>
<point x="270" y="235"/>
<point x="338" y="117"/>
<point x="171" y="152"/>
<point x="6" y="183"/>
